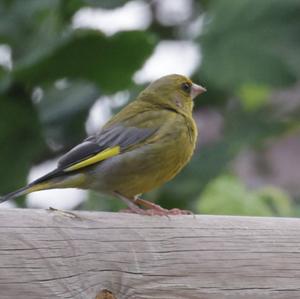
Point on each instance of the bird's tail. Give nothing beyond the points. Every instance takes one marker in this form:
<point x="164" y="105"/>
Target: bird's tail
<point x="23" y="191"/>
<point x="14" y="194"/>
<point x="54" y="179"/>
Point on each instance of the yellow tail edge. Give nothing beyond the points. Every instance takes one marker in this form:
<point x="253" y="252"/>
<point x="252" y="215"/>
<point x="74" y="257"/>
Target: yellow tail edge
<point x="23" y="191"/>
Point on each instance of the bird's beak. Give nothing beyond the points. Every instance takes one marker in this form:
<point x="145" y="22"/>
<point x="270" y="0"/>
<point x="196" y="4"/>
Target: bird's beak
<point x="196" y="90"/>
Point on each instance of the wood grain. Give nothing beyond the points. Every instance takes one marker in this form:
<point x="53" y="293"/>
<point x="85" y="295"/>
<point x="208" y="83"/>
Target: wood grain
<point x="49" y="254"/>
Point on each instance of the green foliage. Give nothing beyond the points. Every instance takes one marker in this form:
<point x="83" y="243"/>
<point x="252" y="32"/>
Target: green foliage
<point x="69" y="8"/>
<point x="251" y="41"/>
<point x="102" y="3"/>
<point x="63" y="111"/>
<point x="253" y="96"/>
<point x="85" y="54"/>
<point x="99" y="202"/>
<point x="20" y="140"/>
<point x="227" y="195"/>
<point x="277" y="200"/>
<point x="249" y="49"/>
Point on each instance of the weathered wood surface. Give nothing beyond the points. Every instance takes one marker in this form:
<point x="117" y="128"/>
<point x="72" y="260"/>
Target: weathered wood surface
<point x="46" y="254"/>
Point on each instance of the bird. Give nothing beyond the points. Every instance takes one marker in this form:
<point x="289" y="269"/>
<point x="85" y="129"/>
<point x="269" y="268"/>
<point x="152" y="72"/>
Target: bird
<point x="139" y="149"/>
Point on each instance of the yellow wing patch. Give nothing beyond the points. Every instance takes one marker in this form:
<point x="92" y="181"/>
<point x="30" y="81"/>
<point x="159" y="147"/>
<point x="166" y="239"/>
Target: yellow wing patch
<point x="107" y="153"/>
<point x="38" y="187"/>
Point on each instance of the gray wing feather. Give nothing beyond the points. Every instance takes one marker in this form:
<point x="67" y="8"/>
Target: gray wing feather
<point x="80" y="152"/>
<point x="108" y="137"/>
<point x="123" y="136"/>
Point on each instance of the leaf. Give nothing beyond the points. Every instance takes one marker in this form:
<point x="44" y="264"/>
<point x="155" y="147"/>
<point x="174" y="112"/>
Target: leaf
<point x="278" y="200"/>
<point x="63" y="112"/>
<point x="21" y="140"/>
<point x="37" y="23"/>
<point x="101" y="202"/>
<point x="253" y="96"/>
<point x="227" y="195"/>
<point x="251" y="41"/>
<point x="101" y="3"/>
<point x="109" y="62"/>
<point x="69" y="8"/>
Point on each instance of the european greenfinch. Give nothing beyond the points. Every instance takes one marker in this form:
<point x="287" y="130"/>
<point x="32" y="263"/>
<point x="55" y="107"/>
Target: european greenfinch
<point x="143" y="146"/>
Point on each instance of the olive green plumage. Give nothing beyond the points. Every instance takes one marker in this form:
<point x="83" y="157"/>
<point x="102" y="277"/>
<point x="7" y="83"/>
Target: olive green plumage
<point x="143" y="146"/>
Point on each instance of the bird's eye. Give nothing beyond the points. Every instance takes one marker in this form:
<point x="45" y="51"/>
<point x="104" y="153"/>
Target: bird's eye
<point x="186" y="87"/>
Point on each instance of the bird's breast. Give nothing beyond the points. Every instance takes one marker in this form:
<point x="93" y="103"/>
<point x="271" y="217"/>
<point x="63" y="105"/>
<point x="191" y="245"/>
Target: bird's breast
<point x="181" y="147"/>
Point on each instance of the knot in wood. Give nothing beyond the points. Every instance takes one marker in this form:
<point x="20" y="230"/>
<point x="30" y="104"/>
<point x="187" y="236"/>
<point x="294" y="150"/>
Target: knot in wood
<point x="106" y="294"/>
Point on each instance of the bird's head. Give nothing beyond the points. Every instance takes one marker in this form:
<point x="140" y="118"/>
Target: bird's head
<point x="173" y="91"/>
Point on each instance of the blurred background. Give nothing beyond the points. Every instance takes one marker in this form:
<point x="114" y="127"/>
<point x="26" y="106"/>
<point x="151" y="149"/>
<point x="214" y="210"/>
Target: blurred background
<point x="67" y="66"/>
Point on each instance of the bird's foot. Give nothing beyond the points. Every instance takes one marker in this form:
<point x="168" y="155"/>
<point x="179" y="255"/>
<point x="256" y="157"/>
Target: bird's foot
<point x="132" y="206"/>
<point x="154" y="209"/>
<point x="151" y="209"/>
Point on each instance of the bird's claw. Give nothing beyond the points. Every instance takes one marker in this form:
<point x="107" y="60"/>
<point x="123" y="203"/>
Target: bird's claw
<point x="150" y="208"/>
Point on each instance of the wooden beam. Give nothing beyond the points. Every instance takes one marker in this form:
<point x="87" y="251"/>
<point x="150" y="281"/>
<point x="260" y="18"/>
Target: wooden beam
<point x="50" y="254"/>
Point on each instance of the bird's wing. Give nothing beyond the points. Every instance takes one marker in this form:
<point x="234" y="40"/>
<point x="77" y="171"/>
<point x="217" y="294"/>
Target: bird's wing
<point x="111" y="141"/>
<point x="108" y="143"/>
<point x="130" y="127"/>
